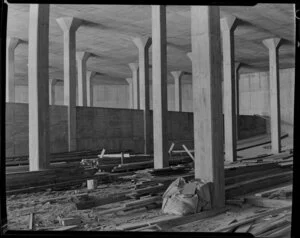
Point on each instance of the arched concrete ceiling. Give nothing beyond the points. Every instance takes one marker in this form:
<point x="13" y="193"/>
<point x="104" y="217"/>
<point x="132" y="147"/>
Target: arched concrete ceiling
<point x="108" y="30"/>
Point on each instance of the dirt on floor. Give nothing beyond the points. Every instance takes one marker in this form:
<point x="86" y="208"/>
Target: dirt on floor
<point x="47" y="213"/>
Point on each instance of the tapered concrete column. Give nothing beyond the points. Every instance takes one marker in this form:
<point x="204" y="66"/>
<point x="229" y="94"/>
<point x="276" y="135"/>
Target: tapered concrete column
<point x="130" y="92"/>
<point x="190" y="56"/>
<point x="38" y="86"/>
<point x="207" y="99"/>
<point x="135" y="82"/>
<point x="69" y="25"/>
<point x="228" y="25"/>
<point x="52" y="83"/>
<point x="82" y="58"/>
<point x="177" y="86"/>
<point x="237" y="96"/>
<point x="159" y="87"/>
<point x="143" y="45"/>
<point x="89" y="87"/>
<point x="12" y="43"/>
<point x="273" y="45"/>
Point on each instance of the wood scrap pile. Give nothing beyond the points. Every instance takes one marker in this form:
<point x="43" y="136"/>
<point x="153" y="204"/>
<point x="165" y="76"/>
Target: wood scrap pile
<point x="55" y="157"/>
<point x="272" y="223"/>
<point x="146" y="194"/>
<point x="147" y="164"/>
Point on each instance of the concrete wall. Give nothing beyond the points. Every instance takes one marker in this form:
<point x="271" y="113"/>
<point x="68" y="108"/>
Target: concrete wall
<point x="17" y="129"/>
<point x="97" y="128"/>
<point x="255" y="97"/>
<point x="113" y="129"/>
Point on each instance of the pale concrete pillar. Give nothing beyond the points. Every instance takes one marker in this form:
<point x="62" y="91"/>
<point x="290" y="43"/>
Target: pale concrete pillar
<point x="177" y="75"/>
<point x="89" y="88"/>
<point x="52" y="83"/>
<point x="82" y="58"/>
<point x="143" y="45"/>
<point x="159" y="87"/>
<point x="135" y="82"/>
<point x="11" y="45"/>
<point x="69" y="25"/>
<point x="237" y="96"/>
<point x="207" y="99"/>
<point x="228" y="25"/>
<point x="273" y="45"/>
<point x="38" y="86"/>
<point x="130" y="92"/>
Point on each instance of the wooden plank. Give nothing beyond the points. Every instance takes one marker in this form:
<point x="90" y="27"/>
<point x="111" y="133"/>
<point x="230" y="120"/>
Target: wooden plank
<point x="155" y="227"/>
<point x="265" y="226"/>
<point x="269" y="192"/>
<point x="136" y="225"/>
<point x="171" y="148"/>
<point x="283" y="230"/>
<point x="253" y="218"/>
<point x="265" y="202"/>
<point x="254" y="184"/>
<point x="65" y="228"/>
<point x="243" y="228"/>
<point x="188" y="152"/>
<point x="102" y="153"/>
<point x="31" y="221"/>
<point x="173" y="222"/>
<point x="143" y="201"/>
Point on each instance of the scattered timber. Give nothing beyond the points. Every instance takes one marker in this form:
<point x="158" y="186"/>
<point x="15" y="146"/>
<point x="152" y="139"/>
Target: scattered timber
<point x="169" y="221"/>
<point x="265" y="202"/>
<point x="230" y="227"/>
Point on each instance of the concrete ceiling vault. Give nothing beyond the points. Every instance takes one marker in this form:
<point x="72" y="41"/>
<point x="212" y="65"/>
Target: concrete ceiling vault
<point x="107" y="33"/>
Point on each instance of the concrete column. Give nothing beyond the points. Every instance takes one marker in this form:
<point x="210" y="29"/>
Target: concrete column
<point x="207" y="99"/>
<point x="135" y="82"/>
<point x="89" y="88"/>
<point x="52" y="83"/>
<point x="130" y="92"/>
<point x="273" y="45"/>
<point x="12" y="43"/>
<point x="159" y="87"/>
<point x="143" y="45"/>
<point x="82" y="58"/>
<point x="69" y="25"/>
<point x="228" y="25"/>
<point x="177" y="86"/>
<point x="237" y="96"/>
<point x="38" y="86"/>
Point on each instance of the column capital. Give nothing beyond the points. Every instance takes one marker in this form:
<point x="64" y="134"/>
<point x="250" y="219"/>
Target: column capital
<point x="133" y="66"/>
<point x="53" y="81"/>
<point x="272" y="43"/>
<point x="190" y="55"/>
<point x="129" y="80"/>
<point x="91" y="74"/>
<point x="13" y="42"/>
<point x="142" y="42"/>
<point x="229" y="23"/>
<point x="82" y="55"/>
<point x="237" y="66"/>
<point x="68" y="23"/>
<point x="177" y="74"/>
